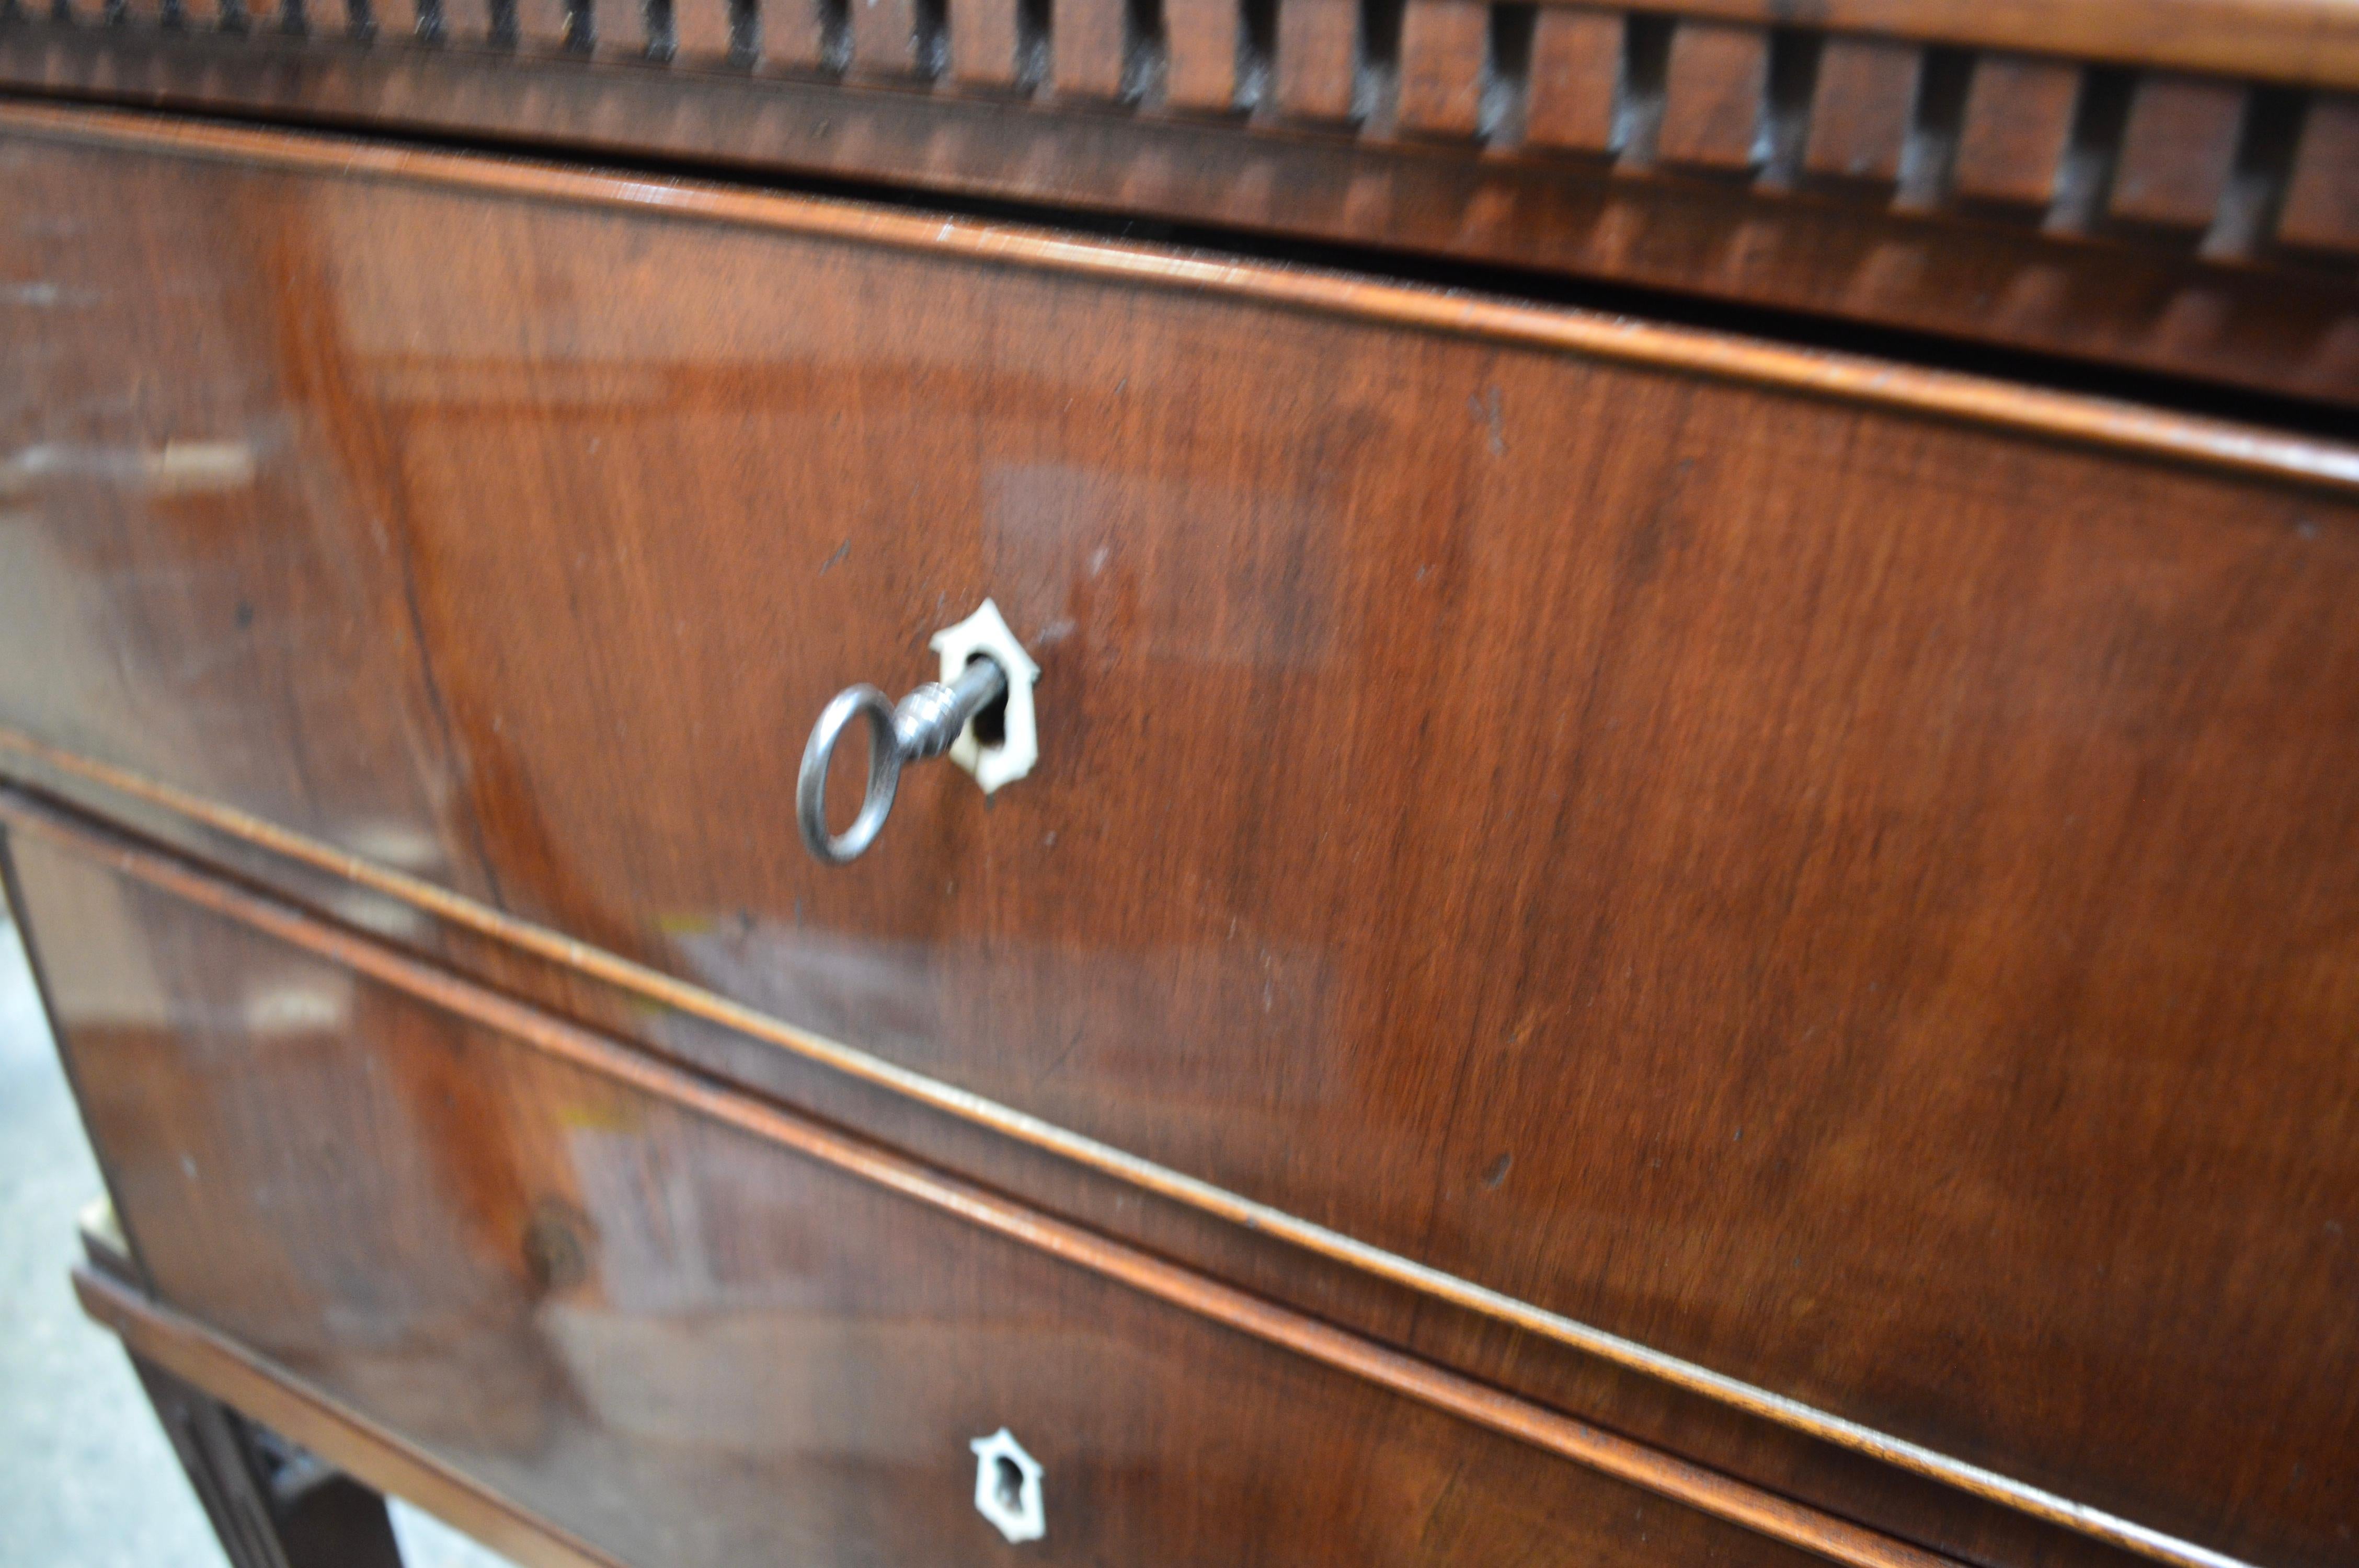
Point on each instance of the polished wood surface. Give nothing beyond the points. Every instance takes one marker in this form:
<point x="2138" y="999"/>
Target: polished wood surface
<point x="691" y="1328"/>
<point x="1584" y="144"/>
<point x="1646" y="1468"/>
<point x="1865" y="834"/>
<point x="2016" y="407"/>
<point x="1910" y="1493"/>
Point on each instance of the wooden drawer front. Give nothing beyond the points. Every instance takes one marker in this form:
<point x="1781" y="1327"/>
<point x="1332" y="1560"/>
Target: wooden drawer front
<point x="1854" y="899"/>
<point x="688" y="1345"/>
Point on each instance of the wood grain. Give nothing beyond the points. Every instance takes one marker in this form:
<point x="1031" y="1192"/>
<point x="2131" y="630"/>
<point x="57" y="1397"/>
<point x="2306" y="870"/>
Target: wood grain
<point x="531" y="1077"/>
<point x="2033" y="610"/>
<point x="1272" y="1260"/>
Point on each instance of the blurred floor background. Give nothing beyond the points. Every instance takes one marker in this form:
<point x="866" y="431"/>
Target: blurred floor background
<point x="86" y="1478"/>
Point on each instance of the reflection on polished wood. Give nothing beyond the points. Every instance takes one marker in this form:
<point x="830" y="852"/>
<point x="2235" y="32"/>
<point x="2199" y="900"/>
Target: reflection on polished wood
<point x="1275" y="1251"/>
<point x="578" y="1268"/>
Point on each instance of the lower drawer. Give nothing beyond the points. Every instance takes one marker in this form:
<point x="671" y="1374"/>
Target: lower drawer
<point x="687" y="1342"/>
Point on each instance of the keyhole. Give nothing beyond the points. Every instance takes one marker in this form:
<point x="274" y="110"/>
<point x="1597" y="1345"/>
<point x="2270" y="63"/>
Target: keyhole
<point x="991" y="723"/>
<point x="1007" y="1486"/>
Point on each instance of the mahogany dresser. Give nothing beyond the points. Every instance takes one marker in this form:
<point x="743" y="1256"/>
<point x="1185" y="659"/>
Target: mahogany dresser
<point x="1203" y="781"/>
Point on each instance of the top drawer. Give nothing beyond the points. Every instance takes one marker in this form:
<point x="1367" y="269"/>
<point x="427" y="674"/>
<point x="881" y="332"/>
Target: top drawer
<point x="1858" y="899"/>
<point x="2161" y="185"/>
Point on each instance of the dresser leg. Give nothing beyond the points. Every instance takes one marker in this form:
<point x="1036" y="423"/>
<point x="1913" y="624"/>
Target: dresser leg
<point x="273" y="1504"/>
